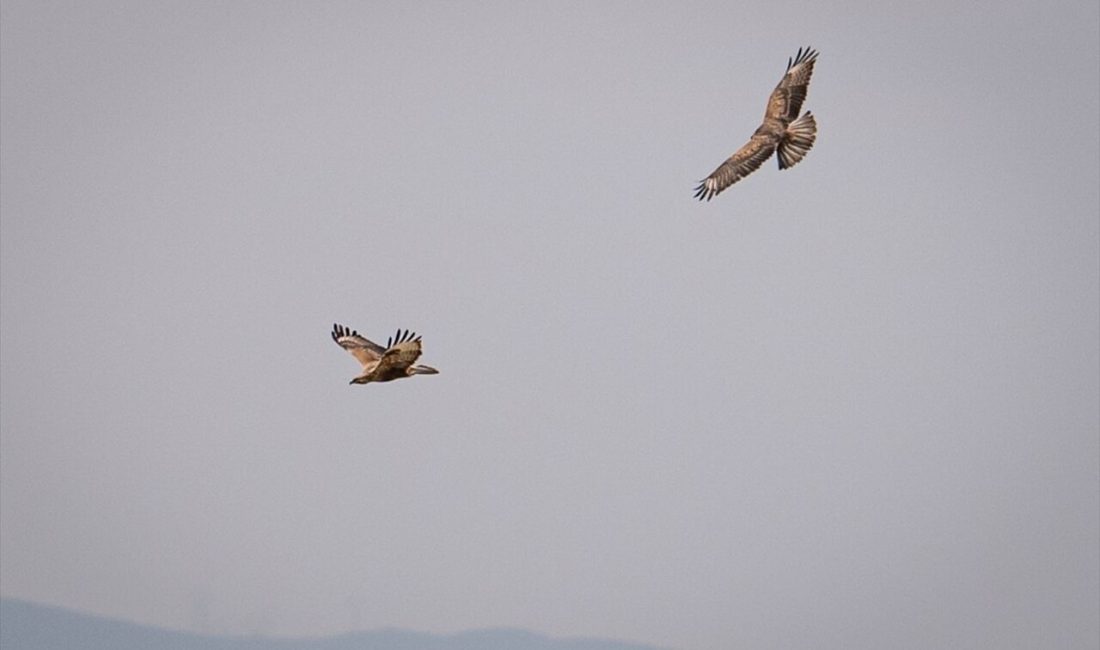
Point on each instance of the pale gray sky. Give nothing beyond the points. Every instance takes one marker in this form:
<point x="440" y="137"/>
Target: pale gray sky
<point x="849" y="405"/>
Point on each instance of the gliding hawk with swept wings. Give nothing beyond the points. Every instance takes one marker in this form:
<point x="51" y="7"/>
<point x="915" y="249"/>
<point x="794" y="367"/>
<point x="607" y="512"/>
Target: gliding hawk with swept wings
<point x="782" y="132"/>
<point x="394" y="361"/>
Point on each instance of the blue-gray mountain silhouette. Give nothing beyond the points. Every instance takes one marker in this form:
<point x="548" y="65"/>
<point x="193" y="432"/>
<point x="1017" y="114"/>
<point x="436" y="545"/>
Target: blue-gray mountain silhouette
<point x="28" y="626"/>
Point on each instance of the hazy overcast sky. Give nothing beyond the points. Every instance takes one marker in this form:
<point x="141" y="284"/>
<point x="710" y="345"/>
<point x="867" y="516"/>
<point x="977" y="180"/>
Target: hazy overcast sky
<point x="848" y="405"/>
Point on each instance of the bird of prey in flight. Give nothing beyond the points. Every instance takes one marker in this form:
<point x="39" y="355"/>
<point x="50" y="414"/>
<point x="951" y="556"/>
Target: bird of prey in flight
<point x="394" y="361"/>
<point x="782" y="132"/>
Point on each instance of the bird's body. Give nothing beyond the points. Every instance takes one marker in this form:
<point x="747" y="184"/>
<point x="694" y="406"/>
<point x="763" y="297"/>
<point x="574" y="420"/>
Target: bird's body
<point x="394" y="361"/>
<point x="782" y="131"/>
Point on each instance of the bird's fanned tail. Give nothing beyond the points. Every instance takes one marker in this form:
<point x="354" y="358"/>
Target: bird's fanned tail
<point x="797" y="140"/>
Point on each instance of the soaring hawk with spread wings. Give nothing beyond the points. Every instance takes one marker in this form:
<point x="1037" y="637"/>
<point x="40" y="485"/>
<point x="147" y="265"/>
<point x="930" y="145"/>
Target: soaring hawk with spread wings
<point x="382" y="363"/>
<point x="782" y="132"/>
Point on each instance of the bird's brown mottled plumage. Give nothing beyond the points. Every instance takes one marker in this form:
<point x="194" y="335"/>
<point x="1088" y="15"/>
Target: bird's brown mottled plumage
<point x="394" y="361"/>
<point x="782" y="131"/>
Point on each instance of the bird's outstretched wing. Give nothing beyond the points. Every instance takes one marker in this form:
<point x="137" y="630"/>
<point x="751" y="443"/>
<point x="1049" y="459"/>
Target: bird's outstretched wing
<point x="786" y="100"/>
<point x="747" y="160"/>
<point x="402" y="350"/>
<point x="367" y="352"/>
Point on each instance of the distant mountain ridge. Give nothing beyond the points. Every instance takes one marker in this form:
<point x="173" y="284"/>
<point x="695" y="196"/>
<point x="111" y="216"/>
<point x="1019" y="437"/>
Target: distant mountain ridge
<point x="29" y="626"/>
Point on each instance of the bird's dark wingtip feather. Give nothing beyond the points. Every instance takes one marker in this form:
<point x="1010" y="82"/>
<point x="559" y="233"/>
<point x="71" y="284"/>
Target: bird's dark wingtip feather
<point x="703" y="193"/>
<point x="804" y="55"/>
